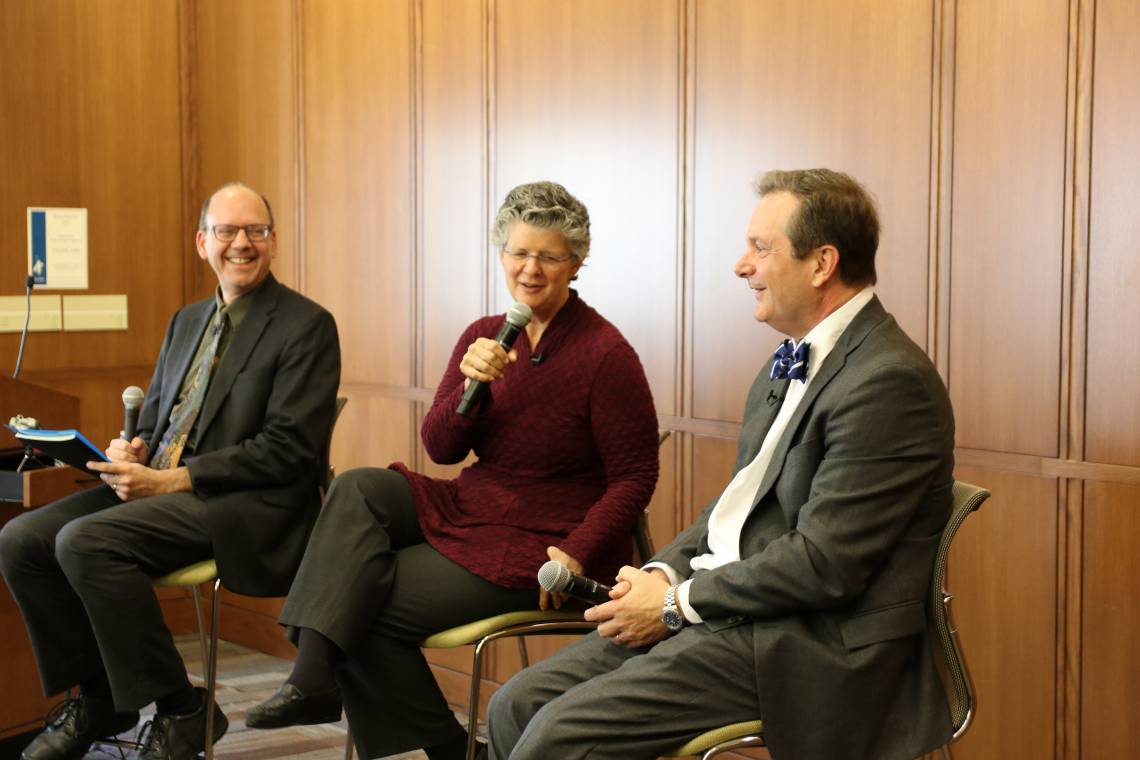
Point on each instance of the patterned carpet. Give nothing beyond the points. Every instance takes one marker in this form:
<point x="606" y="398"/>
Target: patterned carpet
<point x="245" y="678"/>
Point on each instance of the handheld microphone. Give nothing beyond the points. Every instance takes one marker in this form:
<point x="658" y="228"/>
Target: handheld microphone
<point x="557" y="578"/>
<point x="518" y="316"/>
<point x="132" y="400"/>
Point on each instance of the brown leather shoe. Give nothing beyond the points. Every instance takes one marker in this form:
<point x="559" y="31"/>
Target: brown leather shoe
<point x="289" y="707"/>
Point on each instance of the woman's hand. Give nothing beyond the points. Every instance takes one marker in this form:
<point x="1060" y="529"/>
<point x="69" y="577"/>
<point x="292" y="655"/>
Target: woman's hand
<point x="485" y="361"/>
<point x="546" y="599"/>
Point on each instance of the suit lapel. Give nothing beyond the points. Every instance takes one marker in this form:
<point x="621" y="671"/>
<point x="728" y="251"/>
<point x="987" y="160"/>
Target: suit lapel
<point x="242" y="344"/>
<point x="182" y="348"/>
<point x="759" y="417"/>
<point x="867" y="318"/>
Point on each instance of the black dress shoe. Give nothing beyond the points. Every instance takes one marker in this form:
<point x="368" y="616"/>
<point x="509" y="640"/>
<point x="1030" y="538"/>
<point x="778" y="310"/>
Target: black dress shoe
<point x="73" y="724"/>
<point x="289" y="707"/>
<point x="180" y="737"/>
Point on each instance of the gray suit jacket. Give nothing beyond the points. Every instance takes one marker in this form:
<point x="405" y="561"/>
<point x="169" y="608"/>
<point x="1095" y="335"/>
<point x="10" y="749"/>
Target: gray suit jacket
<point x="837" y="552"/>
<point x="262" y="433"/>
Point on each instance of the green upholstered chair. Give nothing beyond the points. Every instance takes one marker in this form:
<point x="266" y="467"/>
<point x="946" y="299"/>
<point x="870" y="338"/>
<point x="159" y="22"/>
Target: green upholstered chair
<point x="948" y="655"/>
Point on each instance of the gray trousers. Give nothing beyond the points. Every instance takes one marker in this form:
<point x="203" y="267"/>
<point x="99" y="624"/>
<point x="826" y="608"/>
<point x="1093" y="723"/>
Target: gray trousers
<point x="371" y="584"/>
<point x="81" y="571"/>
<point x="596" y="699"/>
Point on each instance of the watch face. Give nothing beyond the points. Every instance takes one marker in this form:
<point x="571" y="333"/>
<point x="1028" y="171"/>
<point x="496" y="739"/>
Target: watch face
<point x="673" y="620"/>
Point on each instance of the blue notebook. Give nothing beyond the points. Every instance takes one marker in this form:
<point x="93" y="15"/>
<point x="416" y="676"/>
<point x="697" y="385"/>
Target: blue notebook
<point x="68" y="446"/>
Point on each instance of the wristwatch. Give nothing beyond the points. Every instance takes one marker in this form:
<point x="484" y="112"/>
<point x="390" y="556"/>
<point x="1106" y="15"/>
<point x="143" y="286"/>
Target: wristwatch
<point x="671" y="614"/>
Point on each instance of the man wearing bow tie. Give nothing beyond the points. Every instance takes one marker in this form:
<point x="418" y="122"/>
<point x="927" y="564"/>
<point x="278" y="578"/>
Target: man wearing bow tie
<point x="798" y="595"/>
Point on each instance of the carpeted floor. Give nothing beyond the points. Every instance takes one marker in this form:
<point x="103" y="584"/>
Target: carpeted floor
<point x="245" y="678"/>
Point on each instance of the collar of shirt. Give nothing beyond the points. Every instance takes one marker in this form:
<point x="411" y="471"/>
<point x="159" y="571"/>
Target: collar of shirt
<point x="825" y="335"/>
<point x="235" y="310"/>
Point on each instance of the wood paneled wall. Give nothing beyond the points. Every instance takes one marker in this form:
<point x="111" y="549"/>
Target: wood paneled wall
<point x="90" y="116"/>
<point x="999" y="138"/>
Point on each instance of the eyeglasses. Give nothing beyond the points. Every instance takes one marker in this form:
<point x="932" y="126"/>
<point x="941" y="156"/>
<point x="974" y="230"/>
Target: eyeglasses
<point x="227" y="233"/>
<point x="543" y="258"/>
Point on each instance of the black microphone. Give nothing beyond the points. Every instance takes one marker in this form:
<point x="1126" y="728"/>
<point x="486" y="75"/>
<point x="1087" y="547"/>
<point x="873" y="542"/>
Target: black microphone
<point x="557" y="578"/>
<point x="518" y="316"/>
<point x="132" y="400"/>
<point x="29" y="283"/>
<point x="537" y="359"/>
<point x="772" y="398"/>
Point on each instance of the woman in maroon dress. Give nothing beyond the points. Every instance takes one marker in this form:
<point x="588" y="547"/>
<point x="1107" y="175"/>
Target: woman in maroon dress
<point x="567" y="460"/>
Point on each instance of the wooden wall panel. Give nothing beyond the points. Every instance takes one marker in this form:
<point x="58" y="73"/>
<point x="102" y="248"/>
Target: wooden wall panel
<point x="96" y="126"/>
<point x="712" y="470"/>
<point x="373" y="431"/>
<point x="358" y="163"/>
<point x="455" y="211"/>
<point x="1007" y="247"/>
<point x="1003" y="574"/>
<point x="245" y="112"/>
<point x="1110" y="622"/>
<point x="857" y="100"/>
<point x="1114" y="242"/>
<point x="582" y="101"/>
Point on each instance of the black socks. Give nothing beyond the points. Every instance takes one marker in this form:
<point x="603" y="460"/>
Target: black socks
<point x="316" y="658"/>
<point x="184" y="701"/>
<point x="456" y="749"/>
<point x="96" y="687"/>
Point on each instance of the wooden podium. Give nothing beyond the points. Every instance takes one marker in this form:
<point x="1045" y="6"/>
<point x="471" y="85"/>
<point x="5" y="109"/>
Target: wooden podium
<point x="23" y="704"/>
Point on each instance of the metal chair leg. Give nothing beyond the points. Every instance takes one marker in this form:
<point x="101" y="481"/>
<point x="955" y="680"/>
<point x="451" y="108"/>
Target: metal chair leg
<point x="201" y="630"/>
<point x="212" y="668"/>
<point x="473" y="702"/>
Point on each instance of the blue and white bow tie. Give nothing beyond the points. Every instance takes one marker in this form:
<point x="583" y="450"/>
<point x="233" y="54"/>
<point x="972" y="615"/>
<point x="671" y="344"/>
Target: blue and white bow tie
<point x="791" y="362"/>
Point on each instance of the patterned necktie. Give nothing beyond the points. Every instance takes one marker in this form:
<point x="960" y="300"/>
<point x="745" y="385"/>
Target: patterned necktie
<point x="185" y="414"/>
<point x="791" y="362"/>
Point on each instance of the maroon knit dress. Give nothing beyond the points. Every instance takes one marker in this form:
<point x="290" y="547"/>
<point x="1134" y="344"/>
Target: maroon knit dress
<point x="566" y="447"/>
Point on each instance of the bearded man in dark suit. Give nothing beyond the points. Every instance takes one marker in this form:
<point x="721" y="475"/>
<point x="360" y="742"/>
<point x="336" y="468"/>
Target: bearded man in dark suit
<point x="228" y="463"/>
<point x="798" y="595"/>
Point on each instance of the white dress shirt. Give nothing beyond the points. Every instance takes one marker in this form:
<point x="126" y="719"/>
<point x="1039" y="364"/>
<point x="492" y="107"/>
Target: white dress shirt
<point x="727" y="519"/>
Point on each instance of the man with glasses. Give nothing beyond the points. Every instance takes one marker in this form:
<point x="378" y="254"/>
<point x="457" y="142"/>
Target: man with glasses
<point x="228" y="463"/>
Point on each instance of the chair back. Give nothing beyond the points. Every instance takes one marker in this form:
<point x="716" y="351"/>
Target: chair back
<point x="330" y="472"/>
<point x="642" y="541"/>
<point x="960" y="690"/>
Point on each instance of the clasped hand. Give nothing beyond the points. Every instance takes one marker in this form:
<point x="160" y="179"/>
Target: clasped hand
<point x="130" y="478"/>
<point x="632" y="617"/>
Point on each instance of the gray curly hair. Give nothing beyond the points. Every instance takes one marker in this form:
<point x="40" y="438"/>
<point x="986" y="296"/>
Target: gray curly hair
<point x="547" y="206"/>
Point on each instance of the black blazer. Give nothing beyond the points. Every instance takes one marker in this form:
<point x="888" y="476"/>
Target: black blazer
<point x="262" y="433"/>
<point x="837" y="552"/>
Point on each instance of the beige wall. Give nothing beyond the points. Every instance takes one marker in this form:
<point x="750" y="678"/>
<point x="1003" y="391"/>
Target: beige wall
<point x="387" y="132"/>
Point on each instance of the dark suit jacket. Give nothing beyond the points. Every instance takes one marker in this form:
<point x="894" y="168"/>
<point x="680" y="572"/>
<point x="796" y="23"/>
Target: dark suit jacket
<point x="263" y="431"/>
<point x="837" y="552"/>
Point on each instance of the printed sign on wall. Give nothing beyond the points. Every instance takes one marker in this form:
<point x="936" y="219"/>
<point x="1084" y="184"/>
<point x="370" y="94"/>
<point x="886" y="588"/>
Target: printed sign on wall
<point x="57" y="247"/>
